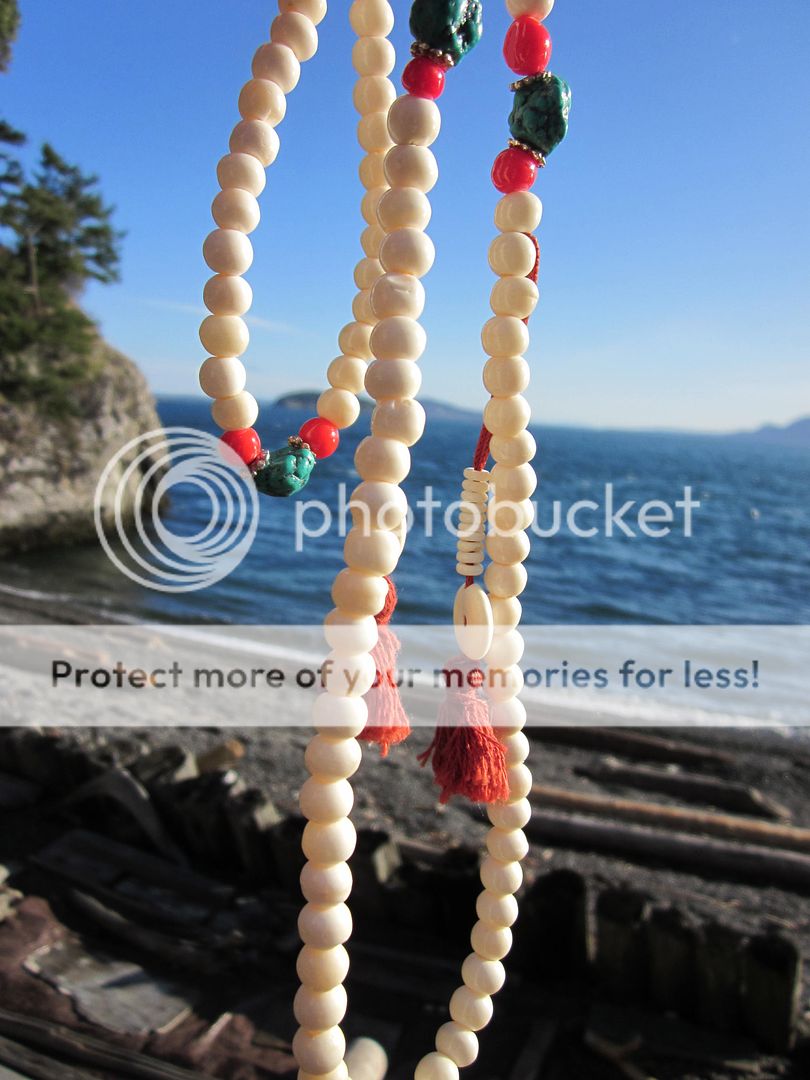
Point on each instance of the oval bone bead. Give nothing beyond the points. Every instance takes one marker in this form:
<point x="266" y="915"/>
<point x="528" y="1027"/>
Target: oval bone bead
<point x="507" y="648"/>
<point x="347" y="373"/>
<point x="324" y="925"/>
<point x="279" y="64"/>
<point x="233" y="413"/>
<point x="398" y="294"/>
<point x="317" y="1010"/>
<point x="372" y="133"/>
<point x="262" y="99"/>
<point x="227" y="295"/>
<point x="515" y="482"/>
<point x="490" y="942"/>
<point x="507" y="845"/>
<point x="371" y="18"/>
<point x="362" y="309"/>
<point x="506" y="611"/>
<point x="501" y="878"/>
<point x="398" y="338"/>
<point x="348" y="634"/>
<point x="361" y="594"/>
<point x="436" y="1067"/>
<point x="326" y="800"/>
<point x="372" y="171"/>
<point x="403" y="419"/>
<point x="508" y="518"/>
<point x="538" y="9"/>
<point x="515" y="296"/>
<point x="321" y="969"/>
<point x="353" y="340"/>
<point x="375" y="504"/>
<point x="504" y="335"/>
<point x="408" y="251"/>
<point x="472" y="1010"/>
<point x="373" y="56"/>
<point x="326" y="884"/>
<point x="504" y="684"/>
<point x="222" y="376"/>
<point x="403" y="207"/>
<point x="457" y="1043"/>
<point x="505" y="376"/>
<point x="373" y="93"/>
<point x="235" y="208"/>
<point x="393" y="379"/>
<point x="519" y="211"/>
<point x="496" y="910"/>
<point x="366" y="273"/>
<point x="297" y="32"/>
<point x="508" y="416"/>
<point x="508" y="816"/>
<point x="315" y="10"/>
<point x="414" y="121"/>
<point x="506" y="580"/>
<point x="509" y="716"/>
<point x="341" y="407"/>
<point x="257" y="138"/>
<point x="340" y="718"/>
<point x="374" y="552"/>
<point x="329" y="758"/>
<point x="319" y="1051"/>
<point x="513" y="449"/>
<point x="368" y="208"/>
<point x="224" y="335"/>
<point x="411" y="166"/>
<point x="330" y="843"/>
<point x="512" y="254"/>
<point x="483" y="976"/>
<point x="377" y="458"/>
<point x="227" y="251"/>
<point x="241" y="171"/>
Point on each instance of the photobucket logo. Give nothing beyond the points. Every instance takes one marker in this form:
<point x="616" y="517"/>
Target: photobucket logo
<point x="137" y="482"/>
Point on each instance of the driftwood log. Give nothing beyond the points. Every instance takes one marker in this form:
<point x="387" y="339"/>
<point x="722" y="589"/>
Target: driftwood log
<point x="633" y="744"/>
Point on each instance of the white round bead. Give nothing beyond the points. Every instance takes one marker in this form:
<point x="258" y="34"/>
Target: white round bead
<point x="347" y="373"/>
<point x="398" y="338"/>
<point x="327" y="884"/>
<point x="315" y="10"/>
<point x="504" y="684"/>
<point x="360" y="594"/>
<point x="366" y="272"/>
<point x="339" y="718"/>
<point x="507" y="416"/>
<point x="519" y="211"/>
<point x="372" y="171"/>
<point x="257" y="138"/>
<point x="408" y="251"/>
<point x="279" y="64"/>
<point x="297" y="32"/>
<point x="504" y="335"/>
<point x="317" y="1010"/>
<point x="500" y="878"/>
<point x="436" y="1067"/>
<point x="513" y="482"/>
<point x="403" y="420"/>
<point x="373" y="93"/>
<point x="514" y="449"/>
<point x="517" y="749"/>
<point x="393" y="379"/>
<point x="235" y="208"/>
<point x="520" y="782"/>
<point x="373" y="56"/>
<point x="414" y="121"/>
<point x="369" y="204"/>
<point x="403" y="207"/>
<point x="241" y="171"/>
<point x="509" y="715"/>
<point x="377" y="505"/>
<point x="347" y="634"/>
<point x="490" y="942"/>
<point x="470" y="1009"/>
<point x="508" y="518"/>
<point x="458" y="1043"/>
<point x="348" y="675"/>
<point x="353" y="340"/>
<point x="372" y="133"/>
<point x="233" y="413"/>
<point x="483" y="976"/>
<point x="382" y="459"/>
<point x="371" y="18"/>
<point x="398" y="294"/>
<point x="411" y="166"/>
<point x="324" y="925"/>
<point x="496" y="910"/>
<point x="340" y="1073"/>
<point x="332" y="759"/>
<point x="512" y="254"/>
<point x="376" y="552"/>
<point x="227" y="295"/>
<point x="262" y="99"/>
<point x="506" y="611"/>
<point x="330" y="843"/>
<point x="224" y="335"/>
<point x="506" y="649"/>
<point x="326" y="800"/>
<point x="321" y="969"/>
<point x="515" y="296"/>
<point x="370" y="239"/>
<point x="506" y="375"/>
<point x="362" y="309"/>
<point x="227" y="251"/>
<point x="506" y="580"/>
<point x="222" y="376"/>
<point x="538" y="9"/>
<point x="319" y="1051"/>
<point x="339" y="406"/>
<point x="507" y="846"/>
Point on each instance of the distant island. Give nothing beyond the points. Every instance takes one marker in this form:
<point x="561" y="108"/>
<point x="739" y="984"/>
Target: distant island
<point x="795" y="434"/>
<point x="434" y="410"/>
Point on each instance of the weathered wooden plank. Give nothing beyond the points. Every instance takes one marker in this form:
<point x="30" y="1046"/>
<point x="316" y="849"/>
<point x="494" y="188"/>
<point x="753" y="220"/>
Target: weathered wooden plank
<point x="633" y="744"/>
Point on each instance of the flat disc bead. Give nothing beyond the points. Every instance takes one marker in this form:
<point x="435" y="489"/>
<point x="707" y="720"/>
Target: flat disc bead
<point x="515" y="296"/>
<point x="330" y="843"/>
<point x="381" y="459"/>
<point x="458" y="1043"/>
<point x="398" y="338"/>
<point x="353" y="340"/>
<point x="373" y="93"/>
<point x="375" y="552"/>
<point x="228" y="252"/>
<point x="340" y="718"/>
<point x="241" y="171"/>
<point x="234" y="413"/>
<point x="315" y="10"/>
<point x="319" y="1051"/>
<point x="332" y="759"/>
<point x="227" y="294"/>
<point x="317" y="1010"/>
<point x="341" y="407"/>
<point x="326" y="800"/>
<point x="408" y="251"/>
<point x="503" y="335"/>
<point x="470" y="1009"/>
<point x="372" y="132"/>
<point x="507" y="845"/>
<point x="375" y="504"/>
<point x="507" y="416"/>
<point x="393" y="379"/>
<point x="514" y="449"/>
<point x="347" y="373"/>
<point x="514" y="482"/>
<point x="324" y="925"/>
<point x="512" y="253"/>
<point x="235" y="208"/>
<point x="403" y="420"/>
<point x="411" y="166"/>
<point x="398" y="294"/>
<point x="297" y="32"/>
<point x="371" y="18"/>
<point x="279" y="64"/>
<point x="403" y="207"/>
<point x="363" y="594"/>
<point x="496" y="910"/>
<point x="262" y="99"/>
<point x="224" y="335"/>
<point x="373" y="56"/>
<point x="483" y="976"/>
<point x="372" y="171"/>
<point x="322" y="969"/>
<point x="491" y="943"/>
<point x="222" y="376"/>
<point x="519" y="211"/>
<point x="257" y="138"/>
<point x="506" y="375"/>
<point x="538" y="9"/>
<point x="500" y="878"/>
<point x="414" y="121"/>
<point x="436" y="1067"/>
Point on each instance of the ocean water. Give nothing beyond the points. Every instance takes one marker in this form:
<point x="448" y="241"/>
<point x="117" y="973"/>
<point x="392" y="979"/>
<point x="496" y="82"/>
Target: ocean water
<point x="746" y="561"/>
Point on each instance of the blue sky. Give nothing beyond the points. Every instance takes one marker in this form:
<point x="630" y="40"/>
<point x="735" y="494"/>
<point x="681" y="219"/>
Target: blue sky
<point x="674" y="277"/>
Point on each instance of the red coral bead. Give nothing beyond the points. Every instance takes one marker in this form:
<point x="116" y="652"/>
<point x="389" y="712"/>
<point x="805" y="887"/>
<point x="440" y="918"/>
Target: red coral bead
<point x="527" y="48"/>
<point x="423" y="77"/>
<point x="244" y="442"/>
<point x="514" y="170"/>
<point x="322" y="435"/>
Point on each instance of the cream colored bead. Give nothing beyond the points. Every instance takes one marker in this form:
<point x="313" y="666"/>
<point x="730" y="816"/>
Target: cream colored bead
<point x="483" y="976"/>
<point x="325" y="800"/>
<point x="514" y="449"/>
<point x="506" y="580"/>
<point x="348" y="634"/>
<point x="370" y="239"/>
<point x="340" y="1073"/>
<point x="470" y="1009"/>
<point x="321" y="969"/>
<point x="361" y="594"/>
<point x="330" y="843"/>
<point x="241" y="171"/>
<point x="490" y="942"/>
<point x="519" y="778"/>
<point x="339" y="406"/>
<point x="507" y="846"/>
<point x="508" y="518"/>
<point x="411" y="166"/>
<point x="257" y="138"/>
<point x="504" y="335"/>
<point x="262" y="99"/>
<point x="496" y="910"/>
<point x="504" y="684"/>
<point x="372" y="171"/>
<point x="512" y="254"/>
<point x="517" y="749"/>
<point x="279" y="64"/>
<point x="348" y="675"/>
<point x="227" y="295"/>
<point x="508" y="716"/>
<point x="227" y="251"/>
<point x="340" y="718"/>
<point x="469" y="569"/>
<point x="375" y="552"/>
<point x="506" y="375"/>
<point x="377" y="505"/>
<point x="382" y="459"/>
<point x="458" y="1043"/>
<point x="315" y="10"/>
<point x="398" y="294"/>
<point x="506" y="650"/>
<point x="297" y="32"/>
<point x="347" y="373"/>
<point x="515" y="296"/>
<point x="371" y="18"/>
<point x="414" y="121"/>
<point x="436" y="1067"/>
<point x="369" y="204"/>
<point x="319" y="1051"/>
<point x="500" y="878"/>
<point x="403" y="420"/>
<point x="317" y="1010"/>
<point x="366" y="273"/>
<point x="324" y="925"/>
<point x="332" y="759"/>
<point x="407" y="251"/>
<point x="372" y="133"/>
<point x="224" y="335"/>
<point x="235" y="208"/>
<point x="506" y="610"/>
<point x="233" y="413"/>
<point x="508" y="549"/>
<point x="393" y="379"/>
<point x="513" y="482"/>
<point x="327" y="884"/>
<point x="222" y="376"/>
<point x="373" y="93"/>
<point x="362" y="309"/>
<point x="507" y="416"/>
<point x="398" y="338"/>
<point x="519" y="211"/>
<point x="373" y="56"/>
<point x="538" y="9"/>
<point x="353" y="340"/>
<point x="403" y="207"/>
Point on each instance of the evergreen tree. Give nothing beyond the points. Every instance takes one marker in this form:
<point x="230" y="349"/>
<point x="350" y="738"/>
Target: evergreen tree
<point x="9" y="25"/>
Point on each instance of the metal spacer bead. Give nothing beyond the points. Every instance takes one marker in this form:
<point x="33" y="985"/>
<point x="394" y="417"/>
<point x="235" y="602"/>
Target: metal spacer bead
<point x="538" y="157"/>
<point x="297" y="443"/>
<point x="541" y="76"/>
<point x="419" y="48"/>
<point x="259" y="462"/>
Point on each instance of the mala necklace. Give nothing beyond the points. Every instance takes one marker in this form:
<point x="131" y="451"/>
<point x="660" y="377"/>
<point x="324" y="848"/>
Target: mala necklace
<point x="480" y="750"/>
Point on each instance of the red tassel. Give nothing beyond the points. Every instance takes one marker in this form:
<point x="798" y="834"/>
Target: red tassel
<point x="387" y="722"/>
<point x="468" y="757"/>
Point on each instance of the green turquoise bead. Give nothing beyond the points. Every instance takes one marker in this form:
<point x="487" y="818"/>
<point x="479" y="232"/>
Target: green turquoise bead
<point x="285" y="471"/>
<point x="451" y="26"/>
<point x="539" y="116"/>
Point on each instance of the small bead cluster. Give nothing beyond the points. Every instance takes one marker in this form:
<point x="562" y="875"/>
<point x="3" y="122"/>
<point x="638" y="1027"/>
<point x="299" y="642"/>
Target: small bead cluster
<point x="471" y="519"/>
